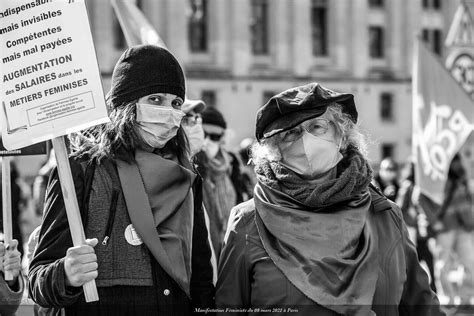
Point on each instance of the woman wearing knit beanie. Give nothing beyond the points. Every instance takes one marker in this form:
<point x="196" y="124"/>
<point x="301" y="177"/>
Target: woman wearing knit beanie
<point x="141" y="205"/>
<point x="318" y="239"/>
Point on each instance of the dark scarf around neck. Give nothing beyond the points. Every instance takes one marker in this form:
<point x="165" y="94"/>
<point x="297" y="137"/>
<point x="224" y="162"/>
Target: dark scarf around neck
<point x="353" y="177"/>
<point x="168" y="187"/>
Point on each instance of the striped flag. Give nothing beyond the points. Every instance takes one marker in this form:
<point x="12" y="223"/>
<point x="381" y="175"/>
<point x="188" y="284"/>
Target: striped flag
<point x="135" y="26"/>
<point x="443" y="118"/>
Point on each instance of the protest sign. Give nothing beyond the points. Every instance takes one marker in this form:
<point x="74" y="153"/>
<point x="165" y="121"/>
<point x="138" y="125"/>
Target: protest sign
<point x="50" y="86"/>
<point x="50" y="80"/>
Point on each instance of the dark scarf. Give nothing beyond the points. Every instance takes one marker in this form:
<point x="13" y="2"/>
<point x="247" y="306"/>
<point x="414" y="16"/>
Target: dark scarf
<point x="353" y="177"/>
<point x="165" y="221"/>
<point x="220" y="193"/>
<point x="317" y="236"/>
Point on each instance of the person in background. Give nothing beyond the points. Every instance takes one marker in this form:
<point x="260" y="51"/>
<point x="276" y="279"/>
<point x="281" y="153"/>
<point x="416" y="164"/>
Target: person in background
<point x="414" y="215"/>
<point x="222" y="178"/>
<point x="192" y="124"/>
<point x="387" y="178"/>
<point x="137" y="193"/>
<point x="248" y="173"/>
<point x="455" y="238"/>
<point x="405" y="199"/>
<point x="11" y="292"/>
<point x="317" y="237"/>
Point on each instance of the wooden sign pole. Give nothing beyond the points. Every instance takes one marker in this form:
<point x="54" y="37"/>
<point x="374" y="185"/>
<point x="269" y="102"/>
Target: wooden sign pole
<point x="72" y="207"/>
<point x="7" y="208"/>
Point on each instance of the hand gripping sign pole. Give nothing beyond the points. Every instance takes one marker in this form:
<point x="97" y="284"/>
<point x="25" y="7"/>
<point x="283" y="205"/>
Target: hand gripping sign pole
<point x="72" y="208"/>
<point x="7" y="207"/>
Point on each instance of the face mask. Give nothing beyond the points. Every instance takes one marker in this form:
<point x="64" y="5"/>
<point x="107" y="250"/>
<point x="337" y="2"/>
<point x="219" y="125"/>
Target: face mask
<point x="196" y="137"/>
<point x="311" y="155"/>
<point x="157" y="125"/>
<point x="211" y="148"/>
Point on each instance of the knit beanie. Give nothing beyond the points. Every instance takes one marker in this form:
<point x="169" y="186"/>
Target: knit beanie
<point x="212" y="116"/>
<point x="144" y="70"/>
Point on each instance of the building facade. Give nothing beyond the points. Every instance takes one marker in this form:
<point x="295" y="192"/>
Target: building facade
<point x="238" y="53"/>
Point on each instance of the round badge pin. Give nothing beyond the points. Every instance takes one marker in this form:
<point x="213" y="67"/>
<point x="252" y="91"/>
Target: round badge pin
<point x="132" y="237"/>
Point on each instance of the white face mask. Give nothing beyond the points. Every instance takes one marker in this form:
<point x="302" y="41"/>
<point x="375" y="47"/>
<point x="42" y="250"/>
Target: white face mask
<point x="156" y="124"/>
<point x="311" y="155"/>
<point x="211" y="148"/>
<point x="195" y="135"/>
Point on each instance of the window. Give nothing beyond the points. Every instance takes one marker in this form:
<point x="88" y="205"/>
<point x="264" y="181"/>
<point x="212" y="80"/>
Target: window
<point x="376" y="42"/>
<point x="426" y="35"/>
<point x="209" y="97"/>
<point x="267" y="96"/>
<point x="434" y="39"/>
<point x="386" y="106"/>
<point x="259" y="27"/>
<point x="119" y="38"/>
<point x="431" y="4"/>
<point x="387" y="150"/>
<point x="376" y="3"/>
<point x="437" y="46"/>
<point x="319" y="27"/>
<point x="197" y="26"/>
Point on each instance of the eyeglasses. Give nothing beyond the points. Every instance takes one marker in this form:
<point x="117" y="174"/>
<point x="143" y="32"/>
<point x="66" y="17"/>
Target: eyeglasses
<point x="191" y="120"/>
<point x="316" y="127"/>
<point x="213" y="137"/>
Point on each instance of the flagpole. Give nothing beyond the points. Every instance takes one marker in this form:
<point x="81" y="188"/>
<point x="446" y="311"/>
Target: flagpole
<point x="414" y="96"/>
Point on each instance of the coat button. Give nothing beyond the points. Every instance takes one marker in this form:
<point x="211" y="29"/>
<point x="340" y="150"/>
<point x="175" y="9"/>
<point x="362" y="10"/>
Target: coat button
<point x="166" y="292"/>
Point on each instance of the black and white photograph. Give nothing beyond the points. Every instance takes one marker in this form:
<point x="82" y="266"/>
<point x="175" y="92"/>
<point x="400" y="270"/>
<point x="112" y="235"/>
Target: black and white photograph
<point x="237" y="157"/>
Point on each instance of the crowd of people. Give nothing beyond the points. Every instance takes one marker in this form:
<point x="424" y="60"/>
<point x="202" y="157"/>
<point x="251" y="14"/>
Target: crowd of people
<point x="176" y="223"/>
<point x="443" y="235"/>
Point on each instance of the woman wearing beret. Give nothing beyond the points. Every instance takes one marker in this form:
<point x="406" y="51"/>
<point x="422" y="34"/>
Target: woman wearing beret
<point x="140" y="202"/>
<point x="317" y="239"/>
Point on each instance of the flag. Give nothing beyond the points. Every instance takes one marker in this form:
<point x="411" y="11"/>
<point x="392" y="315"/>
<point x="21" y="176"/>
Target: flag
<point x="135" y="26"/>
<point x="443" y="118"/>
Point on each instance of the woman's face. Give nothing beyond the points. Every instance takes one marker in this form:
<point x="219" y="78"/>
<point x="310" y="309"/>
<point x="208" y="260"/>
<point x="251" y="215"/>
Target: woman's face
<point x="162" y="99"/>
<point x="158" y="118"/>
<point x="311" y="148"/>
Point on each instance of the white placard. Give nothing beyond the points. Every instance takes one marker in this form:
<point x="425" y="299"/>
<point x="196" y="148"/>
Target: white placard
<point x="50" y="78"/>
